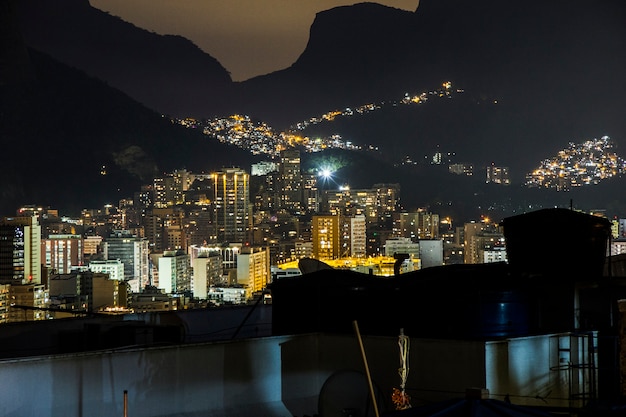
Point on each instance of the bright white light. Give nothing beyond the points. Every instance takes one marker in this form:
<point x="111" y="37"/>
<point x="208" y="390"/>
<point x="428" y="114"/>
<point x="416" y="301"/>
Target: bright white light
<point x="326" y="173"/>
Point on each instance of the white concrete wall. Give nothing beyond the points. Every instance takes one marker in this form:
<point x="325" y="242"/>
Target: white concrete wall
<point x="439" y="369"/>
<point x="274" y="376"/>
<point x="220" y="379"/>
<point x="540" y="370"/>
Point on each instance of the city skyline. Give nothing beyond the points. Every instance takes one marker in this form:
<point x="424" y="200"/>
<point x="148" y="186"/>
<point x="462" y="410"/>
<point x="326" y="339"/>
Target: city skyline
<point x="503" y="129"/>
<point x="175" y="242"/>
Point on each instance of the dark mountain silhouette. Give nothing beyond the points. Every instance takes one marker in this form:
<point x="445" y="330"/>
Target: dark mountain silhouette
<point x="71" y="142"/>
<point x="14" y="61"/>
<point x="166" y="73"/>
<point x="554" y="81"/>
<point x="554" y="61"/>
<point x="535" y="55"/>
<point x="556" y="71"/>
<point x="352" y="58"/>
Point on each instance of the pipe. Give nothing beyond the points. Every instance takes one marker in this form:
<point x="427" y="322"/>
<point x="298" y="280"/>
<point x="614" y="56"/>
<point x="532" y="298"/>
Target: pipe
<point x="367" y="369"/>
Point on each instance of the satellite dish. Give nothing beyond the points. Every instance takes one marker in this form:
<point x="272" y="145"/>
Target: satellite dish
<point x="346" y="393"/>
<point x="308" y="265"/>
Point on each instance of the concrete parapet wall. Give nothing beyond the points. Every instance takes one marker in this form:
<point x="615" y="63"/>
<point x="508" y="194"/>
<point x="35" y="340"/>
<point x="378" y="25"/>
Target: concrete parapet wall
<point x="275" y="376"/>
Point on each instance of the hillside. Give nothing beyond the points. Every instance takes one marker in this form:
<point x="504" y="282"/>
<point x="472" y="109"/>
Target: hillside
<point x="553" y="83"/>
<point x="168" y="74"/>
<point x="529" y="54"/>
<point x="532" y="55"/>
<point x="62" y="130"/>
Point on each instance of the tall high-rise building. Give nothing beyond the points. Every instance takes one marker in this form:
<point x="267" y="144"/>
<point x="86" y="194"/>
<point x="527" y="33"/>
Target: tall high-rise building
<point x="416" y="225"/>
<point x="60" y="252"/>
<point x="91" y="245"/>
<point x="175" y="237"/>
<point x="326" y="237"/>
<point x="207" y="272"/>
<point x="20" y="250"/>
<point x="153" y="224"/>
<point x="353" y="236"/>
<point x="480" y="238"/>
<point x="182" y="182"/>
<point x="253" y="269"/>
<point x="387" y="200"/>
<point x="133" y="251"/>
<point x="376" y="203"/>
<point x="427" y="225"/>
<point x="163" y="229"/>
<point x="358" y="237"/>
<point x="470" y="249"/>
<point x="175" y="272"/>
<point x="268" y="196"/>
<point x="290" y="180"/>
<point x="163" y="188"/>
<point x="349" y="202"/>
<point x="198" y="226"/>
<point x="310" y="193"/>
<point x="170" y="189"/>
<point x="233" y="218"/>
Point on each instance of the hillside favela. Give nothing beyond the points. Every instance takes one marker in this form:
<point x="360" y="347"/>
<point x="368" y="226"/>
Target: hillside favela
<point x="424" y="215"/>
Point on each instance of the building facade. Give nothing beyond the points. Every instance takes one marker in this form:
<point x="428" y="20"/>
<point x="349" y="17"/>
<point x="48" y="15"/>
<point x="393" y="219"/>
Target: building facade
<point x="481" y="237"/>
<point x="114" y="268"/>
<point x="133" y="252"/>
<point x="326" y="237"/>
<point x="233" y="212"/>
<point x="290" y="180"/>
<point x="32" y="297"/>
<point x="207" y="272"/>
<point x="416" y="225"/>
<point x="431" y="252"/>
<point x="20" y="250"/>
<point x="253" y="270"/>
<point x="174" y="272"/>
<point x="60" y="252"/>
<point x="358" y="236"/>
<point x="402" y="245"/>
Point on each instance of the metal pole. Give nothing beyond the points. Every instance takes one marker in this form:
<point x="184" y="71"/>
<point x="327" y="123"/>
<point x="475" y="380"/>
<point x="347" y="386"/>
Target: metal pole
<point x="367" y="369"/>
<point x="125" y="403"/>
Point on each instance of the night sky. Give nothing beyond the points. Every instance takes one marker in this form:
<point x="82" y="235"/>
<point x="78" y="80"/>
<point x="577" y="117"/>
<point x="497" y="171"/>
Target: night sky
<point x="248" y="37"/>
